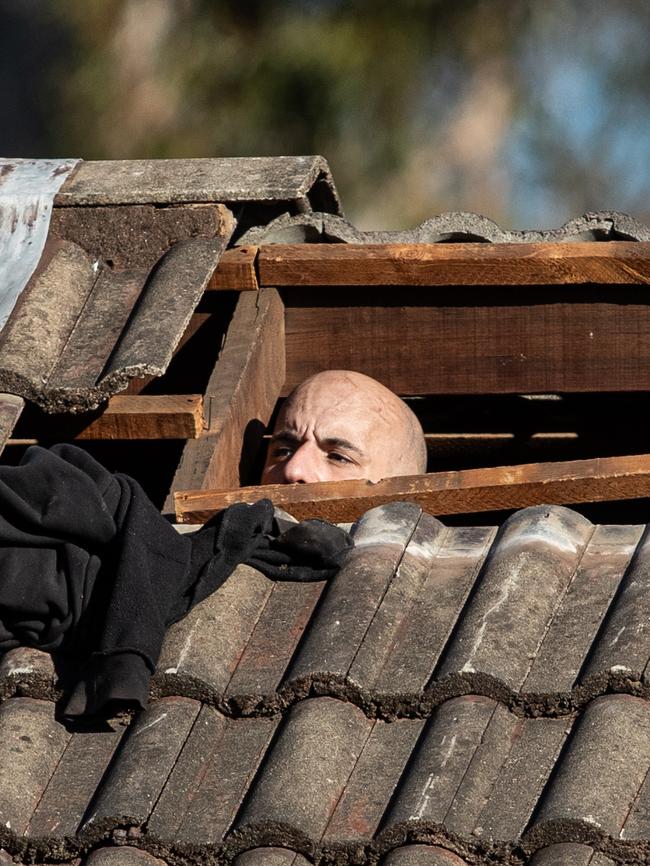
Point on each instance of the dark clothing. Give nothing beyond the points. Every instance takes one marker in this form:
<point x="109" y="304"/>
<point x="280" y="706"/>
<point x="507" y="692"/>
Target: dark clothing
<point x="89" y="566"/>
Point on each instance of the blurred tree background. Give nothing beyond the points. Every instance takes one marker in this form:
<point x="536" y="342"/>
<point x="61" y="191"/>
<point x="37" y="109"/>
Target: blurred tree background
<point x="527" y="112"/>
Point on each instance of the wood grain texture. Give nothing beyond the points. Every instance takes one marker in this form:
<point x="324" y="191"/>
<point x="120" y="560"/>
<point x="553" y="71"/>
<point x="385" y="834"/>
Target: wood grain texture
<point x="466" y="491"/>
<point x="236" y="271"/>
<point x="240" y="396"/>
<point x="546" y="340"/>
<point x="170" y="416"/>
<point x="465" y="264"/>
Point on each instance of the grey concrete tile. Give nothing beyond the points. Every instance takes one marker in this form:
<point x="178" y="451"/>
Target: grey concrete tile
<point x="270" y="857"/>
<point x="31" y="745"/>
<point x="603" y="767"/>
<point x="623" y="645"/>
<point x="568" y="854"/>
<point x="122" y="856"/>
<point x="210" y="778"/>
<point x="274" y="640"/>
<point x="533" y="751"/>
<point x="201" y="652"/>
<point x="72" y="787"/>
<point x="350" y="603"/>
<point x="583" y="608"/>
<point x="307" y="769"/>
<point x="442" y="759"/>
<point x="435" y="608"/>
<point x="146" y="758"/>
<point x="529" y="568"/>
<point x="390" y="624"/>
<point x="373" y="781"/>
<point x="422" y="855"/>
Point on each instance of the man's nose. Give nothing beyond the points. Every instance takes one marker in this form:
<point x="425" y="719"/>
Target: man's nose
<point x="303" y="466"/>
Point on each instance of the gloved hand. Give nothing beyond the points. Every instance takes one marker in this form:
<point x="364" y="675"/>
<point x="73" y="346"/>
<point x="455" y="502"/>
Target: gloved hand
<point x="307" y="551"/>
<point x="251" y="534"/>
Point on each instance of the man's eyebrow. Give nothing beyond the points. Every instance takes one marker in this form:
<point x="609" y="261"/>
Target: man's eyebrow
<point x="330" y="442"/>
<point x="337" y="442"/>
<point x="285" y="436"/>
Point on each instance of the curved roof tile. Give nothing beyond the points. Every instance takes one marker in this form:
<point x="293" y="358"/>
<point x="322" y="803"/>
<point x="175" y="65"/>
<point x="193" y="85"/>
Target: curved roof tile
<point x="295" y="723"/>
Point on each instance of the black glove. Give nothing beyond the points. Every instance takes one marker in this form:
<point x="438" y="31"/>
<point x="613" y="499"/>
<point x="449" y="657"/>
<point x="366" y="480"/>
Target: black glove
<point x="307" y="551"/>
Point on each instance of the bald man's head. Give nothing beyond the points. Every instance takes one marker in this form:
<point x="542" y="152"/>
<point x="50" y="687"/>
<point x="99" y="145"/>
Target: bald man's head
<point x="340" y="424"/>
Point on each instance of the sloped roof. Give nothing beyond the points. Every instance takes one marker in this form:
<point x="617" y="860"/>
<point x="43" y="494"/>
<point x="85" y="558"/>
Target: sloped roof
<point x="455" y="695"/>
<point x="130" y="249"/>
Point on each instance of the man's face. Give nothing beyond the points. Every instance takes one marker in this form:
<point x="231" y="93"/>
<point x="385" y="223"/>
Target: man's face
<point x="334" y="427"/>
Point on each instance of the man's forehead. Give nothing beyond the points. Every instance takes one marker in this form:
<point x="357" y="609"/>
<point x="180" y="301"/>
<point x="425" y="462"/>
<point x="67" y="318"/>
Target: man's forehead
<point x="338" y="397"/>
<point x="332" y="413"/>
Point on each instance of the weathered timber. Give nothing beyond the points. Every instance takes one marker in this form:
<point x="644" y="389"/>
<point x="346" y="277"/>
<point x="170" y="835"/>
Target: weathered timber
<point x="440" y="493"/>
<point x="549" y="339"/>
<point x="10" y="409"/>
<point x="289" y="180"/>
<point x="236" y="270"/>
<point x="169" y="416"/>
<point x="240" y="397"/>
<point x="467" y="264"/>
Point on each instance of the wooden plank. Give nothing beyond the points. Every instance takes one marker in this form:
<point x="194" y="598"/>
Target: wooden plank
<point x="236" y="271"/>
<point x="466" y="264"/>
<point x="10" y="409"/>
<point x="440" y="493"/>
<point x="240" y="397"/>
<point x="553" y="340"/>
<point x="170" y="416"/>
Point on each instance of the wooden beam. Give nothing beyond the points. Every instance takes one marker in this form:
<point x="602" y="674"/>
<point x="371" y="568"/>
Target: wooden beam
<point x="235" y="271"/>
<point x="468" y="341"/>
<point x="240" y="397"/>
<point x="466" y="264"/>
<point x="169" y="416"/>
<point x="124" y="417"/>
<point x="467" y="491"/>
<point x="10" y="409"/>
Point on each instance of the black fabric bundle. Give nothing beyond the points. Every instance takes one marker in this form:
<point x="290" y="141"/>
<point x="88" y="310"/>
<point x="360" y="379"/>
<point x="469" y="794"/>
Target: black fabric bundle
<point x="89" y="567"/>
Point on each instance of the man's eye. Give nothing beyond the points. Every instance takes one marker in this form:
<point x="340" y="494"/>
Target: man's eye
<point x="338" y="458"/>
<point x="282" y="451"/>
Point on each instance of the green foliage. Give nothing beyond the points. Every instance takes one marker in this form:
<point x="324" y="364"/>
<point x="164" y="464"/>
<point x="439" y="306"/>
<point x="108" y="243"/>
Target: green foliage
<point x="419" y="105"/>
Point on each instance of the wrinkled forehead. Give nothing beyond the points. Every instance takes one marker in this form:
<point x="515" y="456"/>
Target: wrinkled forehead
<point x="339" y="404"/>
